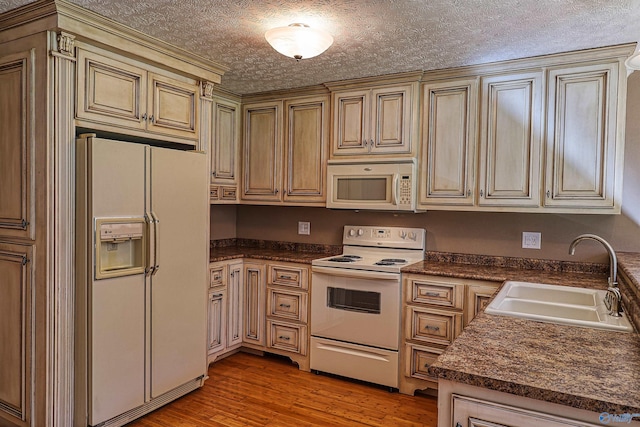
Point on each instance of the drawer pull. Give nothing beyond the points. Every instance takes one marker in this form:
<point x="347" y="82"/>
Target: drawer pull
<point x="216" y="296"/>
<point x="286" y="277"/>
<point x="285" y="305"/>
<point x="282" y="337"/>
<point x="216" y="277"/>
<point x="432" y="294"/>
<point x="432" y="328"/>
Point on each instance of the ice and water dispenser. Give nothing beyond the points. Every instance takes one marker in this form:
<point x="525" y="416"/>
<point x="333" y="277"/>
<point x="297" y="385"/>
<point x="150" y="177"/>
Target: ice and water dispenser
<point x="120" y="247"/>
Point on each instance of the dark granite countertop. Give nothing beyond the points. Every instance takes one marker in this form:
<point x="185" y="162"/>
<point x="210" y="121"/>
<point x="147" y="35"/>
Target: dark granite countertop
<point x="585" y="368"/>
<point x="270" y="254"/>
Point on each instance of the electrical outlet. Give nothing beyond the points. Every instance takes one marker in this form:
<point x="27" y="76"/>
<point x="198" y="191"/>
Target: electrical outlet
<point x="531" y="240"/>
<point x="304" y="227"/>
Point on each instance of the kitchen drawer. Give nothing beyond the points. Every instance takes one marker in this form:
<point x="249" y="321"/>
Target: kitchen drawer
<point x="418" y="360"/>
<point x="217" y="275"/>
<point x="287" y="336"/>
<point x="432" y="326"/>
<point x="286" y="275"/>
<point x="287" y="304"/>
<point x="439" y="291"/>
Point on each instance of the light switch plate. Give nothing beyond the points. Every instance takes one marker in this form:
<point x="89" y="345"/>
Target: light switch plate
<point x="304" y="227"/>
<point x="531" y="240"/>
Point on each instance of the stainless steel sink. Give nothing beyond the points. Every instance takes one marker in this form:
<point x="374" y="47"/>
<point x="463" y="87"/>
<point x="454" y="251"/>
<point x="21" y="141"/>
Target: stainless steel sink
<point x="557" y="304"/>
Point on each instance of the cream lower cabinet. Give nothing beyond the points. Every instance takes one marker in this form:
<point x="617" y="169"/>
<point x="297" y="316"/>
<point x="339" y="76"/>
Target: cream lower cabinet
<point x="260" y="306"/>
<point x="116" y="94"/>
<point x="285" y="151"/>
<point x="288" y="311"/>
<point x="435" y="310"/>
<point x="224" y="331"/>
<point x="254" y="302"/>
<point x="463" y="405"/>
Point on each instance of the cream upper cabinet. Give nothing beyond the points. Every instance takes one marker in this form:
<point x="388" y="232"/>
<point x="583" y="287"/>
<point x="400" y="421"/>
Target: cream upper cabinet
<point x="17" y="214"/>
<point x="305" y="150"/>
<point x="376" y="120"/>
<point x="510" y="139"/>
<point x="225" y="150"/>
<point x="585" y="125"/>
<point x="285" y="151"/>
<point x="116" y="94"/>
<point x="448" y="143"/>
<point x="262" y="151"/>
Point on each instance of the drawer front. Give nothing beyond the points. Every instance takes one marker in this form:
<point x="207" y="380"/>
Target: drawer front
<point x="295" y="277"/>
<point x="418" y="361"/>
<point x="217" y="275"/>
<point x="287" y="305"/>
<point x="288" y="337"/>
<point x="440" y="293"/>
<point x="433" y="326"/>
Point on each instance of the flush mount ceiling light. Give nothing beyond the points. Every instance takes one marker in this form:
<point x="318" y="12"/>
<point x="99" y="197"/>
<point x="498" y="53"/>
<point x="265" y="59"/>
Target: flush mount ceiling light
<point x="299" y="41"/>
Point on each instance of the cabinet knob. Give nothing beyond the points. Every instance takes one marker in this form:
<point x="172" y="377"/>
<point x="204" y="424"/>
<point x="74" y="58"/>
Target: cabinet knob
<point x="481" y="193"/>
<point x="284" y="338"/>
<point x="458" y="425"/>
<point x="144" y="117"/>
<point x="548" y="194"/>
<point x="152" y="119"/>
<point x="276" y="191"/>
<point x="469" y="193"/>
<point x="365" y="142"/>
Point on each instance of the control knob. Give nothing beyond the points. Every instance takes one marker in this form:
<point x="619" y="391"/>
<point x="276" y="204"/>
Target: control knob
<point x="360" y="232"/>
<point x="352" y="232"/>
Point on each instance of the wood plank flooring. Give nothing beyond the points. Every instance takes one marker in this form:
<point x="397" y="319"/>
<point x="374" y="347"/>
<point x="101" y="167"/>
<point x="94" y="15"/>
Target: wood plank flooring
<point x="248" y="390"/>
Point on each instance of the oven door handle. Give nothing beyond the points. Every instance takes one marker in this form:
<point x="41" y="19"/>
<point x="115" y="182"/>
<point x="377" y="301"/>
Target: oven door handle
<point x="360" y="274"/>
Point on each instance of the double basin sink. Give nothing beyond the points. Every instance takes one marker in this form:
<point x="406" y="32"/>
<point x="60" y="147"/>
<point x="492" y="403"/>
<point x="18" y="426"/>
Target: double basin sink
<point x="557" y="304"/>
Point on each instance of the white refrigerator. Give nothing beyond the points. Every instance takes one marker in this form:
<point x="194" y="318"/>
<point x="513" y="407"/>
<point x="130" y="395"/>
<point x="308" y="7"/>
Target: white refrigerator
<point x="142" y="233"/>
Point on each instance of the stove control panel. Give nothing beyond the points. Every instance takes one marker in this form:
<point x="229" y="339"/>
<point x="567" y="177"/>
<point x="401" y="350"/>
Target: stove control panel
<point x="392" y="237"/>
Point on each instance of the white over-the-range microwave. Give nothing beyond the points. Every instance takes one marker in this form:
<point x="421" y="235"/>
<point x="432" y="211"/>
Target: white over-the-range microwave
<point x="384" y="184"/>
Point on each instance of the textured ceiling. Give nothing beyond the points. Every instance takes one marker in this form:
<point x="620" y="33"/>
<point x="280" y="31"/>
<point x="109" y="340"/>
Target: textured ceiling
<point x="371" y="37"/>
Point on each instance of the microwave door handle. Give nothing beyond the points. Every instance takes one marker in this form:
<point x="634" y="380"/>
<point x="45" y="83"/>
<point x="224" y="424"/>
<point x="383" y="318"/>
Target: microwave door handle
<point x="394" y="189"/>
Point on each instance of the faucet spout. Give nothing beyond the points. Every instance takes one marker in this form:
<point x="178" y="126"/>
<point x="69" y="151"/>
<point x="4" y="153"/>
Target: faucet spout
<point x="613" y="300"/>
<point x="613" y="260"/>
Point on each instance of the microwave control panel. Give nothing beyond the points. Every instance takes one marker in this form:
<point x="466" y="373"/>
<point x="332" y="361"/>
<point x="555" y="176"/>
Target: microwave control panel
<point x="405" y="190"/>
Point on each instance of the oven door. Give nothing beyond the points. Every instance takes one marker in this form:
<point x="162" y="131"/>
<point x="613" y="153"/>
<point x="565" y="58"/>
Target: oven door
<point x="356" y="306"/>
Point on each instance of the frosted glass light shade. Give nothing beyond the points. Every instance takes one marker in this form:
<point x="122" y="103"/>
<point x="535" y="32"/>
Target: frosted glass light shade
<point x="299" y="41"/>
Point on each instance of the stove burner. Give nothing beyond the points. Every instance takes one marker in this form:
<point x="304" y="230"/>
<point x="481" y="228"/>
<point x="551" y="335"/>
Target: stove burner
<point x="394" y="260"/>
<point x="354" y="257"/>
<point x="383" y="262"/>
<point x="342" y="259"/>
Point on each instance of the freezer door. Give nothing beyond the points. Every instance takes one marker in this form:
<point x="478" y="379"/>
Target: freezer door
<point x="115" y="187"/>
<point x="179" y="203"/>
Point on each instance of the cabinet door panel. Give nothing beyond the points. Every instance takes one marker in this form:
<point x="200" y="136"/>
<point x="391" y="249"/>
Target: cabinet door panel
<point x="173" y="107"/>
<point x="16" y="145"/>
<point x="350" y="122"/>
<point x="234" y="312"/>
<point x="391" y="120"/>
<point x="217" y="316"/>
<point x="110" y="91"/>
<point x="305" y="150"/>
<point x="510" y="140"/>
<point x="225" y="153"/>
<point x="15" y="329"/>
<point x="262" y="152"/>
<point x="449" y="143"/>
<point x="254" y="304"/>
<point x="582" y="136"/>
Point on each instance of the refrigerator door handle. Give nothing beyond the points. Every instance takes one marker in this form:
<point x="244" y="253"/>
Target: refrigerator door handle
<point x="156" y="244"/>
<point x="150" y="261"/>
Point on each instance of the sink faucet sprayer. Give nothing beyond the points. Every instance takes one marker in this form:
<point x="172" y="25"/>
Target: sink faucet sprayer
<point x="613" y="300"/>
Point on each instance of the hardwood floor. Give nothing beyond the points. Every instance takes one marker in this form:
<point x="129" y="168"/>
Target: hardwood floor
<point x="248" y="390"/>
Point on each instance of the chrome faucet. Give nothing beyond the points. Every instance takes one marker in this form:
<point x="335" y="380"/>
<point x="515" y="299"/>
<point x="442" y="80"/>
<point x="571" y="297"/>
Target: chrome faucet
<point x="613" y="300"/>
